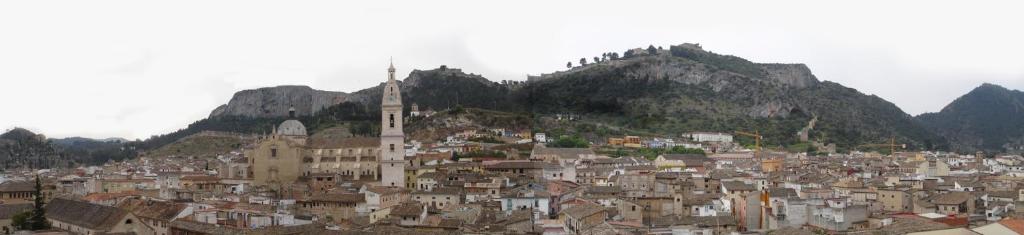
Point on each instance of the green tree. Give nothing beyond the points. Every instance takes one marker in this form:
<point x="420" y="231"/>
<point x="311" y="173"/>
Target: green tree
<point x="583" y="61"/>
<point x="458" y="110"/>
<point x="619" y="153"/>
<point x="651" y="50"/>
<point x="570" y="142"/>
<point x="38" y="220"/>
<point x="685" y="150"/>
<point x="568" y="65"/>
<point x="486" y="139"/>
<point x="20" y="221"/>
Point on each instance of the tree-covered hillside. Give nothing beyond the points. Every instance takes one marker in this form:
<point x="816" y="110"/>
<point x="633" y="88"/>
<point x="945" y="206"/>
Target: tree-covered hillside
<point x="989" y="118"/>
<point x="653" y="92"/>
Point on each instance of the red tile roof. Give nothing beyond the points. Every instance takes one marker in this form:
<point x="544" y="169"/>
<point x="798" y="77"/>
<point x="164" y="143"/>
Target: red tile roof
<point x="1017" y="225"/>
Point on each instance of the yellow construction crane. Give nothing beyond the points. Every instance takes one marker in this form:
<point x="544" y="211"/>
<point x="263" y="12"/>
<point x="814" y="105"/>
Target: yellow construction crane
<point x="757" y="141"/>
<point x="892" y="145"/>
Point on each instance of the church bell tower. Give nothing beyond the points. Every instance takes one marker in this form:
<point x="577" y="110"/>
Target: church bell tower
<point x="392" y="138"/>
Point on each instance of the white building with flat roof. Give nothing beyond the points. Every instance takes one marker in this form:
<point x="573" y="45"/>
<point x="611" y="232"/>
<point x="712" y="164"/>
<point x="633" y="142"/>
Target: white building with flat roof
<point x="709" y="136"/>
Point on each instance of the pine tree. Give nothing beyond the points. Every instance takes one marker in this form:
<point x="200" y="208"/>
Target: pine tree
<point x="38" y="220"/>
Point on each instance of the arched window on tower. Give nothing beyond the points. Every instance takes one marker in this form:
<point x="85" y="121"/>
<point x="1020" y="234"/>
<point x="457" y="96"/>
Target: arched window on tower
<point x="392" y="118"/>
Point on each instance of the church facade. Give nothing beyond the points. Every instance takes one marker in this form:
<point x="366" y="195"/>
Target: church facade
<point x="288" y="154"/>
<point x="277" y="158"/>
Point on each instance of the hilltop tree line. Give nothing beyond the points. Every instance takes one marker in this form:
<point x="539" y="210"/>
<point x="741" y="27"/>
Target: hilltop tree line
<point x="651" y="50"/>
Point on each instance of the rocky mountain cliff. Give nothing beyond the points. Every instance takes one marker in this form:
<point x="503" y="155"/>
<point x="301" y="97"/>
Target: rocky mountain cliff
<point x="989" y="118"/>
<point x="275" y="102"/>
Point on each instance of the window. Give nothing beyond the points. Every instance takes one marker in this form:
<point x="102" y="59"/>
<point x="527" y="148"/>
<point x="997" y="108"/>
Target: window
<point x="392" y="118"/>
<point x="273" y="152"/>
<point x="392" y="147"/>
<point x="129" y="221"/>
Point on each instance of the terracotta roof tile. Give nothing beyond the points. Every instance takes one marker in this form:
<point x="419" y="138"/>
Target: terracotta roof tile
<point x="84" y="214"/>
<point x="1017" y="225"/>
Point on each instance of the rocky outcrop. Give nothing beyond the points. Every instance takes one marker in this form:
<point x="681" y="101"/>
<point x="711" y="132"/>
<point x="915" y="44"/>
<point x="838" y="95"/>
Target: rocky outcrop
<point x="276" y="101"/>
<point x="795" y="75"/>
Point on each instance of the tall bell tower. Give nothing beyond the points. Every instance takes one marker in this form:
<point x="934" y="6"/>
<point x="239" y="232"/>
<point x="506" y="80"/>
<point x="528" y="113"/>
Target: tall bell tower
<point x="392" y="138"/>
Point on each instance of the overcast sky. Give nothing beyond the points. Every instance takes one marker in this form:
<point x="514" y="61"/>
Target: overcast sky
<point x="137" y="68"/>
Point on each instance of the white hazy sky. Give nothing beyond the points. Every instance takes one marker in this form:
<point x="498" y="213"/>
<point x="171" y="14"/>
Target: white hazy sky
<point x="137" y="68"/>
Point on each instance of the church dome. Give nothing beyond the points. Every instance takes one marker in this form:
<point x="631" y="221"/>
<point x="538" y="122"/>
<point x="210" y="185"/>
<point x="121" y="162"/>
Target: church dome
<point x="291" y="128"/>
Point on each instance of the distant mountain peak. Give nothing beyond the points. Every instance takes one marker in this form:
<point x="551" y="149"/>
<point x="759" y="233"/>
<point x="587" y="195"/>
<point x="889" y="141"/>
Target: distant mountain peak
<point x="21" y="133"/>
<point x="276" y="101"/>
<point x="988" y="118"/>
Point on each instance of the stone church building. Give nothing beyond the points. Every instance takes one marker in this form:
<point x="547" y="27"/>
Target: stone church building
<point x="289" y="153"/>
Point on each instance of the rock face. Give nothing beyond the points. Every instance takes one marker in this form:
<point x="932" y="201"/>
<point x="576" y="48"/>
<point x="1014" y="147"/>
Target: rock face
<point x="275" y="102"/>
<point x="795" y="75"/>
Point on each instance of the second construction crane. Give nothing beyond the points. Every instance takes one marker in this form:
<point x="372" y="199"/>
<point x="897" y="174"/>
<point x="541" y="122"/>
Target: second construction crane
<point x="757" y="142"/>
<point x="892" y="146"/>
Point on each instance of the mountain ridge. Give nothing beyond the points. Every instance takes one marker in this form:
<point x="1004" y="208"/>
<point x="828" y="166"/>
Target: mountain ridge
<point x="276" y="101"/>
<point x="648" y="92"/>
<point x="988" y="118"/>
<point x="684" y="88"/>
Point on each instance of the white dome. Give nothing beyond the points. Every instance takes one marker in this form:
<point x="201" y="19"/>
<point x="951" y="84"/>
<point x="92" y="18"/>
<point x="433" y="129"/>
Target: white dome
<point x="291" y="128"/>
